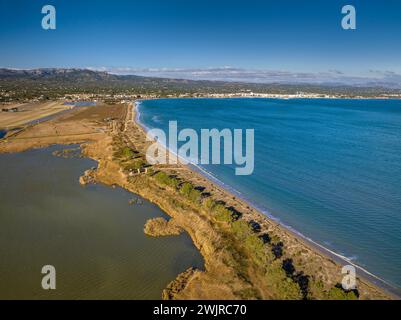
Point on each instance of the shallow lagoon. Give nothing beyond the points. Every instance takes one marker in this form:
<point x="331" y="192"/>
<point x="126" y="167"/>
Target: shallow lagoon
<point x="91" y="234"/>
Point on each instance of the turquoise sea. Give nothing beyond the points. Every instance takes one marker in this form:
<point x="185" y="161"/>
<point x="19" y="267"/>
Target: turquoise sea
<point x="328" y="168"/>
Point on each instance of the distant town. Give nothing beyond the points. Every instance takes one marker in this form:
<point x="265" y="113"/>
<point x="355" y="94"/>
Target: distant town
<point x="20" y="86"/>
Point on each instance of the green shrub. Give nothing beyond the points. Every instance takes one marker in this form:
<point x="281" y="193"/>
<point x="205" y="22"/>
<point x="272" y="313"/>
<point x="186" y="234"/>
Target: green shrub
<point x="222" y="214"/>
<point x="124" y="153"/>
<point x="151" y="171"/>
<point x="252" y="243"/>
<point x="195" y="196"/>
<point x="134" y="165"/>
<point x="337" y="293"/>
<point x="166" y="180"/>
<point x="209" y="204"/>
<point x="241" y="229"/>
<point x="161" y="176"/>
<point x="173" y="183"/>
<point x="283" y="287"/>
<point x="188" y="190"/>
<point x="127" y="152"/>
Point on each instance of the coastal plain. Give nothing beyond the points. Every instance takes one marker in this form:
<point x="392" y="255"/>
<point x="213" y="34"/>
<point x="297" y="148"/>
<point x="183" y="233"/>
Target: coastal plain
<point x="240" y="262"/>
<point x="18" y="114"/>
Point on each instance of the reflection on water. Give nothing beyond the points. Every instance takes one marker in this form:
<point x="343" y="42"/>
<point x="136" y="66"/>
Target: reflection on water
<point x="90" y="234"/>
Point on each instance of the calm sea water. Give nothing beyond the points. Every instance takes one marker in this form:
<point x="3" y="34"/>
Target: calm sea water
<point x="330" y="169"/>
<point x="91" y="234"/>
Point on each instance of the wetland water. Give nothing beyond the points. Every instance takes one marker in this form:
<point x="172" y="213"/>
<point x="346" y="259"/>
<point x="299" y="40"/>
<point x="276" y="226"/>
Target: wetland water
<point x="91" y="234"/>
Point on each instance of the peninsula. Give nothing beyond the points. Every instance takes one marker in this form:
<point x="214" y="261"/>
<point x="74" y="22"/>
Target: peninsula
<point x="246" y="255"/>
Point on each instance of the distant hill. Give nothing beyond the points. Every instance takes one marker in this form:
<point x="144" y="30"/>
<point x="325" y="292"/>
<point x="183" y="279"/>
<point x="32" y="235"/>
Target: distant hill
<point x="53" y="82"/>
<point x="55" y="74"/>
<point x="82" y="77"/>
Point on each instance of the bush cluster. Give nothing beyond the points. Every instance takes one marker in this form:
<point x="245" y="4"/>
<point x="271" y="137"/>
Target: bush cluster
<point x="165" y="180"/>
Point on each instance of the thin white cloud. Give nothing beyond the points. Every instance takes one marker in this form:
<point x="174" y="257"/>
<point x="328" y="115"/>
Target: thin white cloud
<point x="228" y="73"/>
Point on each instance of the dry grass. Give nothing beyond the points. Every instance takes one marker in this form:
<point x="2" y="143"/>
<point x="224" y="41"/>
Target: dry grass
<point x="78" y="126"/>
<point x="28" y="113"/>
<point x="161" y="227"/>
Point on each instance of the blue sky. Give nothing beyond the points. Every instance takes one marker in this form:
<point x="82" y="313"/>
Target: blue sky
<point x="292" y="38"/>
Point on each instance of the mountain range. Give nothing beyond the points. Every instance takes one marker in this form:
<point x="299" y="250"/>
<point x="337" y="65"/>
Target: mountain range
<point x="46" y="80"/>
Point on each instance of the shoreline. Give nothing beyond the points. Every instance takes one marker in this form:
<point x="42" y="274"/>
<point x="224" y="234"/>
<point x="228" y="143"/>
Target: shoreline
<point x="96" y="212"/>
<point x="278" y="97"/>
<point x="233" y="267"/>
<point x="314" y="245"/>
